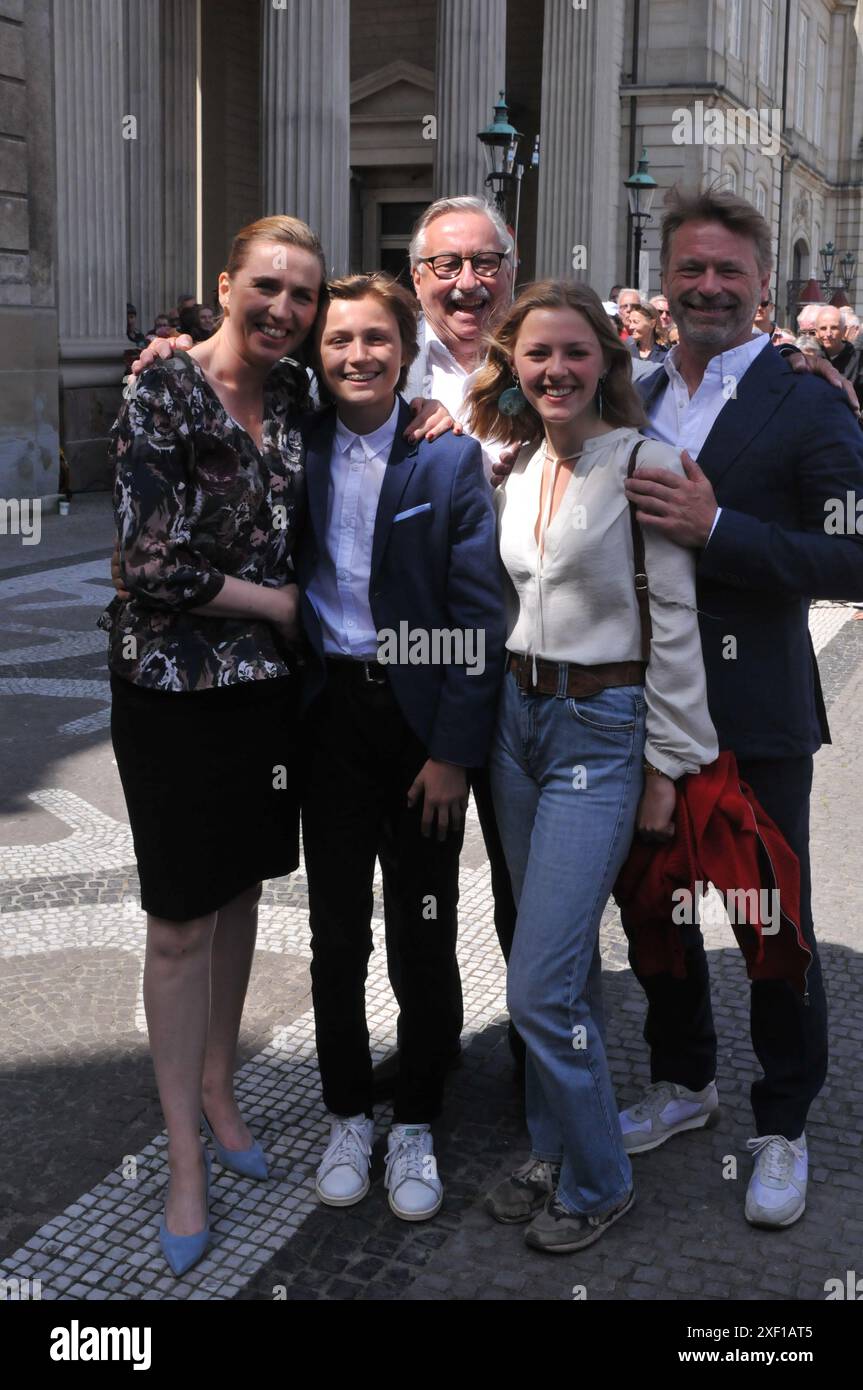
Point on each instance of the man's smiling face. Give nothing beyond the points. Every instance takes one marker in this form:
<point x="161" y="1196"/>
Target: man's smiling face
<point x="460" y="310"/>
<point x="713" y="285"/>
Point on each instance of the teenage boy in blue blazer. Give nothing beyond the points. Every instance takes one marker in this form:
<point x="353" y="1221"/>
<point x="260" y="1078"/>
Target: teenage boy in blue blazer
<point x="403" y="610"/>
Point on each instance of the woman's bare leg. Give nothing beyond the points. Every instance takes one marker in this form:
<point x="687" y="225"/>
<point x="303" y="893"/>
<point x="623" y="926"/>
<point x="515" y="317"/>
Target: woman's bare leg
<point x="233" y="951"/>
<point x="177" y="1004"/>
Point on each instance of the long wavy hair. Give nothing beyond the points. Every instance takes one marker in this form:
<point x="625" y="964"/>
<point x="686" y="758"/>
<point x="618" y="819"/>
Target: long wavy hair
<point x="621" y="403"/>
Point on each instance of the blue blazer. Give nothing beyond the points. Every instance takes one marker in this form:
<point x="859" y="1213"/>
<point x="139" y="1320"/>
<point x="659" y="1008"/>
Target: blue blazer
<point x="777" y="456"/>
<point x="435" y="567"/>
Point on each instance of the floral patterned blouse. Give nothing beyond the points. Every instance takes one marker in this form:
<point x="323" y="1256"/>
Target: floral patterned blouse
<point x="195" y="501"/>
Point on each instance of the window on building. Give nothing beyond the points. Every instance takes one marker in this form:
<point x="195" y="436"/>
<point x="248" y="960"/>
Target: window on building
<point x="761" y="199"/>
<point x="820" y="87"/>
<point x="729" y="178"/>
<point x="765" y="50"/>
<point x="802" y="75"/>
<point x="735" y="28"/>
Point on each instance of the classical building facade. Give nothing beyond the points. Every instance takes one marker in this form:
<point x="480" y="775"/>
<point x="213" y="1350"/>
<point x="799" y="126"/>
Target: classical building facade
<point x="137" y="135"/>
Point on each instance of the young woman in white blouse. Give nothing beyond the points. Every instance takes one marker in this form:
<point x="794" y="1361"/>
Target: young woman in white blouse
<point x="591" y="736"/>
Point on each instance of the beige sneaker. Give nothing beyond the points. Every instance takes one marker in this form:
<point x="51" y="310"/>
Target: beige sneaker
<point x="519" y="1197"/>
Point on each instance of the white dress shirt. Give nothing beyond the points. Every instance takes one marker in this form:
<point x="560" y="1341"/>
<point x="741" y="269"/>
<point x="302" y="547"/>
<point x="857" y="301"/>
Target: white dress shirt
<point x="438" y="376"/>
<point x="339" y="591"/>
<point x="685" y="421"/>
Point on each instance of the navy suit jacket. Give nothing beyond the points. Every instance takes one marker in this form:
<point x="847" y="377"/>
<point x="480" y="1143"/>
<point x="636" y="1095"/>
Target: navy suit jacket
<point x="434" y="570"/>
<point x="778" y="456"/>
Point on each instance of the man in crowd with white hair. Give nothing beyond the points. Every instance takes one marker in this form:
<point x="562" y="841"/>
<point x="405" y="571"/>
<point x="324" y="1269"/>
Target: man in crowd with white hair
<point x="830" y="326"/>
<point x="627" y="300"/>
<point x="807" y="319"/>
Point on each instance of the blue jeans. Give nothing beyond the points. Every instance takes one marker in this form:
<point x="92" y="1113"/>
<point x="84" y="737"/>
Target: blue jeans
<point x="566" y="777"/>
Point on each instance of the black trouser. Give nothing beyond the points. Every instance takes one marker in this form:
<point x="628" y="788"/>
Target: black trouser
<point x="505" y="911"/>
<point x="361" y="758"/>
<point x="789" y="1034"/>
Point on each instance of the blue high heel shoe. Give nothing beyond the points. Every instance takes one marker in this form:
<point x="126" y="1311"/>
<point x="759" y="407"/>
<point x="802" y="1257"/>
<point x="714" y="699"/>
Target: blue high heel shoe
<point x="182" y="1252"/>
<point x="249" y="1163"/>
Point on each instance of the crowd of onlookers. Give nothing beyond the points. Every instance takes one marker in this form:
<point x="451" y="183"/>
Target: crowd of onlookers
<point x="823" y="330"/>
<point x="198" y="320"/>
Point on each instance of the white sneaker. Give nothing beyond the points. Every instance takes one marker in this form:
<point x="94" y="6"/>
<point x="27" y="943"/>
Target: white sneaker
<point x="776" y="1195"/>
<point x="416" y="1192"/>
<point x="666" y="1109"/>
<point x="343" y="1172"/>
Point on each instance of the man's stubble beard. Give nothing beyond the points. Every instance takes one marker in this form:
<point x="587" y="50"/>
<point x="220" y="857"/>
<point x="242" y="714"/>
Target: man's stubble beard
<point x="717" y="336"/>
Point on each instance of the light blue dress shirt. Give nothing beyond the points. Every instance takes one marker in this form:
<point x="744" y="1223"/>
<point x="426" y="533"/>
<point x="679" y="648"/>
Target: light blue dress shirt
<point x="339" y="591"/>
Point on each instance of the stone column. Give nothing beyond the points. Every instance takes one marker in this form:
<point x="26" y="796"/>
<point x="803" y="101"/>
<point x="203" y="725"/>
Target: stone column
<point x="92" y="242"/>
<point x="470" y="73"/>
<point x="579" y="178"/>
<point x="305" y="122"/>
<point x="143" y="149"/>
<point x="179" y="55"/>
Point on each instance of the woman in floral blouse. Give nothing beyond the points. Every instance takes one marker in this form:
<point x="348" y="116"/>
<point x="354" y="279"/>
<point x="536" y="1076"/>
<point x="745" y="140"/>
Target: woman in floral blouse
<point x="209" y="491"/>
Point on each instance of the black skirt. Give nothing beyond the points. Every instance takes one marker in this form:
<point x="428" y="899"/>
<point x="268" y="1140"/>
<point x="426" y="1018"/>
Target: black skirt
<point x="212" y="789"/>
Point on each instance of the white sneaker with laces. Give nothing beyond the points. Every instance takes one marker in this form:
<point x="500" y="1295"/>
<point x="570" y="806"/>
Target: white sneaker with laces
<point x="776" y="1195"/>
<point x="343" y="1172"/>
<point x="416" y="1192"/>
<point x="667" y="1108"/>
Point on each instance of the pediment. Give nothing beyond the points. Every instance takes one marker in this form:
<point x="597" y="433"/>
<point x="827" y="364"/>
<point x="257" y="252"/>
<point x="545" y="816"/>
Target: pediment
<point x="398" y="89"/>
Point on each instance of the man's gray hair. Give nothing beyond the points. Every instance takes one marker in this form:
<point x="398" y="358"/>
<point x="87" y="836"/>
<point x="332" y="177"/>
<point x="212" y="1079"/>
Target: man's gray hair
<point x="442" y="208"/>
<point x="630" y="289"/>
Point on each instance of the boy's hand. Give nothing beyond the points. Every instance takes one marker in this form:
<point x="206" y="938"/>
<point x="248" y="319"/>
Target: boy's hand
<point x="820" y="366"/>
<point x="431" y="419"/>
<point x="160" y="349"/>
<point x="501" y="470"/>
<point x="443" y="788"/>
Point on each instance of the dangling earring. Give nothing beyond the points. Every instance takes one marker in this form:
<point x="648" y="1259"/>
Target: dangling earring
<point x="512" y="401"/>
<point x="600" y="399"/>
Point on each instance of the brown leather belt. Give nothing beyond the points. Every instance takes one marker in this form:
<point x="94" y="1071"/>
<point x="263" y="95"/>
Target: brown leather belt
<point x="579" y="681"/>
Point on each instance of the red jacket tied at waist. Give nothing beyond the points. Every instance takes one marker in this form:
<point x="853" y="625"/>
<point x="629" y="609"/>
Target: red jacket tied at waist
<point x="723" y="836"/>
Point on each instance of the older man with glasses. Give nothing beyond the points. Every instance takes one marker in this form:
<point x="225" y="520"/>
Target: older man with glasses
<point x="461" y="258"/>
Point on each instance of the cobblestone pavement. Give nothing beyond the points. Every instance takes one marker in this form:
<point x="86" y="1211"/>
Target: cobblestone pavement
<point x="82" y="1165"/>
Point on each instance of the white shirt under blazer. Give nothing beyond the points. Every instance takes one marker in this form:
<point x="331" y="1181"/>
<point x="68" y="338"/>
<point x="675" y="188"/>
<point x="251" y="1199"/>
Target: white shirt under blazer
<point x="577" y="602"/>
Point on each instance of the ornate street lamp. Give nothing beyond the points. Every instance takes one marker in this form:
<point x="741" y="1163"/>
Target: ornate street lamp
<point x="641" y="189"/>
<point x="500" y="142"/>
<point x="828" y="258"/>
<point x="848" y="269"/>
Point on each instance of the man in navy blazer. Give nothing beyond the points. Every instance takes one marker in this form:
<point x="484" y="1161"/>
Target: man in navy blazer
<point x="775" y="450"/>
<point x="402" y="604"/>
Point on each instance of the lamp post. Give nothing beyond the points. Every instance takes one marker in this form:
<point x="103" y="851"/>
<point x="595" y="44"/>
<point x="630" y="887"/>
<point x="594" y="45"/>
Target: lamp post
<point x="500" y="143"/>
<point x="828" y="259"/>
<point x="641" y="190"/>
<point x="848" y="269"/>
<point x="821" y="291"/>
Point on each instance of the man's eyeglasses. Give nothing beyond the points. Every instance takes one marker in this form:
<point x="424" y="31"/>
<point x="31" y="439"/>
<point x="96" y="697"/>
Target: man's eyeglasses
<point x="764" y="303"/>
<point x="485" y="264"/>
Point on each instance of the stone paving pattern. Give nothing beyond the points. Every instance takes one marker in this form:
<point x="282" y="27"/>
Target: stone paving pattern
<point x="80" y="1109"/>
